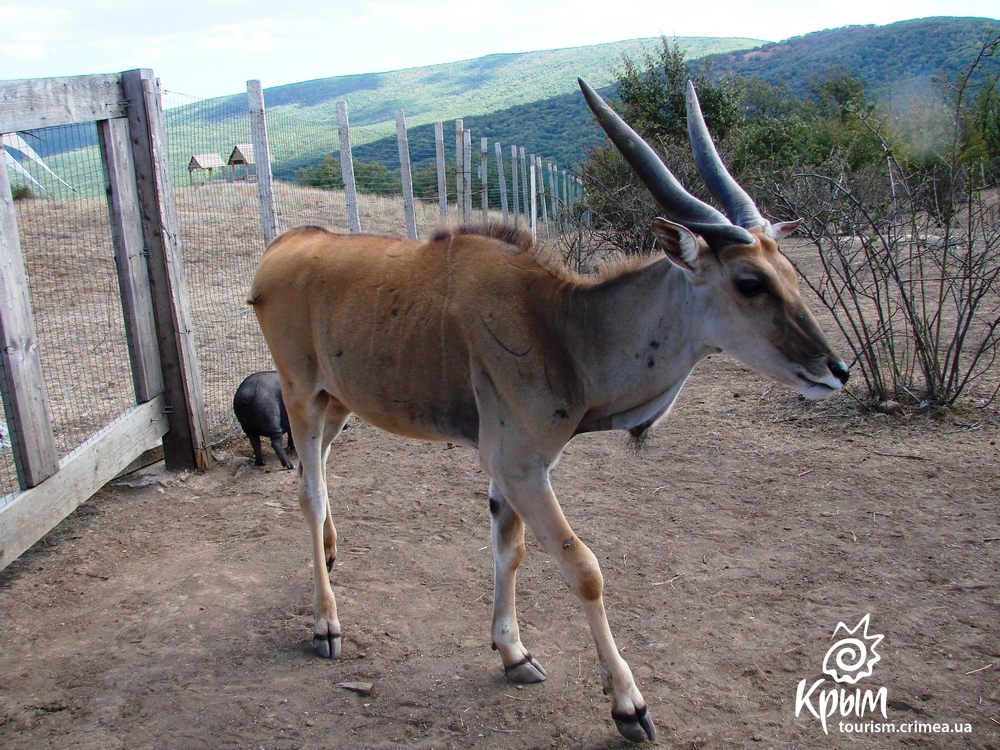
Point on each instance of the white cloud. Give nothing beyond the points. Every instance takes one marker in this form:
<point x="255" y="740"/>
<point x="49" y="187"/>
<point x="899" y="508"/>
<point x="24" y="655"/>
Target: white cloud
<point x="210" y="47"/>
<point x="23" y="51"/>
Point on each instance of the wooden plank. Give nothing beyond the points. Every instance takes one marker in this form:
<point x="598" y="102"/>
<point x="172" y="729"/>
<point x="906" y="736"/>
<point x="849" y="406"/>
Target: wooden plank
<point x="35" y="512"/>
<point x="47" y="102"/>
<point x="502" y="179"/>
<point x="442" y="173"/>
<point x="186" y="444"/>
<point x="262" y="161"/>
<point x="24" y="396"/>
<point x="513" y="180"/>
<point x="347" y="169"/>
<point x="130" y="258"/>
<point x="405" y="175"/>
<point x="460" y="170"/>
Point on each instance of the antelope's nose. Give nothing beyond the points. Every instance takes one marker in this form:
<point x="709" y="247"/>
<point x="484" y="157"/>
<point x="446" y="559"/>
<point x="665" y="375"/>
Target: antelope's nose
<point x="839" y="369"/>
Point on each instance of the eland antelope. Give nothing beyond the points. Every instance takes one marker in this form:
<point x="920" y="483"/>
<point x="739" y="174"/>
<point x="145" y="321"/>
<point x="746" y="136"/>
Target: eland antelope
<point x="477" y="337"/>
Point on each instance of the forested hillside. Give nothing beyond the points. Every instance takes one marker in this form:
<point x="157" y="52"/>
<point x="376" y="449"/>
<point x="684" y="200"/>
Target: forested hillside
<point x="883" y="57"/>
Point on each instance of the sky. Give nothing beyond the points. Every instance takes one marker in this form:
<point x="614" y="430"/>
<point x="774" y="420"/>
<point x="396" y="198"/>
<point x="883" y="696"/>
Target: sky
<point x="207" y="48"/>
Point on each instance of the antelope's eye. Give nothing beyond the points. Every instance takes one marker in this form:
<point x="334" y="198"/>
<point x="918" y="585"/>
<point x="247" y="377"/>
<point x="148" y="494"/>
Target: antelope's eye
<point x="750" y="286"/>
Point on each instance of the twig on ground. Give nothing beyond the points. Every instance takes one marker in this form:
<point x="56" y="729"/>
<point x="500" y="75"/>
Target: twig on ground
<point x="901" y="455"/>
<point x="664" y="583"/>
<point x="981" y="669"/>
<point x="812" y="416"/>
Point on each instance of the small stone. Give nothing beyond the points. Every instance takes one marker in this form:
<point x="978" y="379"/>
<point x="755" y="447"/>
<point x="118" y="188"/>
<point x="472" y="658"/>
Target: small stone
<point x="362" y="688"/>
<point x="889" y="407"/>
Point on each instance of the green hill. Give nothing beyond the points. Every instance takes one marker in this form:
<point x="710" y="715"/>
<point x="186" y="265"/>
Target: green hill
<point x="467" y="88"/>
<point x="531" y="99"/>
<point x="520" y="93"/>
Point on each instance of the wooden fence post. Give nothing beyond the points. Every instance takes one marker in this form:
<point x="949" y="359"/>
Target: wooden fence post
<point x="25" y="399"/>
<point x="524" y="182"/>
<point x="534" y="201"/>
<point x="262" y="160"/>
<point x="513" y="180"/>
<point x="502" y="179"/>
<point x="460" y="170"/>
<point x="484" y="171"/>
<point x="467" y="174"/>
<point x="186" y="443"/>
<point x="405" y="175"/>
<point x="347" y="169"/>
<point x="442" y="173"/>
<point x="554" y="198"/>
<point x="541" y="194"/>
<point x="567" y="206"/>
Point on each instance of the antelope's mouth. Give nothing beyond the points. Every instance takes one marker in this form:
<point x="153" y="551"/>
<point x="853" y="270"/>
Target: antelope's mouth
<point x="817" y="390"/>
<point x="817" y="383"/>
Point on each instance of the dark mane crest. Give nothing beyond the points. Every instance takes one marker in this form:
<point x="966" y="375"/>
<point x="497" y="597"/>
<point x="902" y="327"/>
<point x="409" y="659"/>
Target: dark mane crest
<point x="512" y="234"/>
<point x="546" y="255"/>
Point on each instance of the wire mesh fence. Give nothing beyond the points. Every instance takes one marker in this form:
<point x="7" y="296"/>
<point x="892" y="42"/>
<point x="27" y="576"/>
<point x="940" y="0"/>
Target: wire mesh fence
<point x="66" y="243"/>
<point x="66" y="240"/>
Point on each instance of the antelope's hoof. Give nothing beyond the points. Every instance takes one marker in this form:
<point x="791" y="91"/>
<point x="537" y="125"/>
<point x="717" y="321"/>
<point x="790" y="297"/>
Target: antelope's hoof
<point x="526" y="671"/>
<point x="328" y="646"/>
<point x="635" y="727"/>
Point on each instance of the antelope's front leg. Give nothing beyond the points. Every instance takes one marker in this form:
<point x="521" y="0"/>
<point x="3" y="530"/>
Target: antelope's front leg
<point x="536" y="504"/>
<point x="508" y="551"/>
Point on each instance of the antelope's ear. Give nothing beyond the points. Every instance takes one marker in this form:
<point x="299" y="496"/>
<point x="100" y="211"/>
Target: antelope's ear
<point x="784" y="228"/>
<point x="681" y="245"/>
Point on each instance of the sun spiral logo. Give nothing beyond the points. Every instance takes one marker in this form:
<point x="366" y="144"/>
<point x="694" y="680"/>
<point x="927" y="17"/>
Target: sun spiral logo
<point x="852" y="658"/>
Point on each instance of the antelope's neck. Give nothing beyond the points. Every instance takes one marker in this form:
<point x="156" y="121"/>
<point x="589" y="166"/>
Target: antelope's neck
<point x="636" y="340"/>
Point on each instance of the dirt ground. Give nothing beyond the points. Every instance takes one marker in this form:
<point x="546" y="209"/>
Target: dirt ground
<point x="173" y="611"/>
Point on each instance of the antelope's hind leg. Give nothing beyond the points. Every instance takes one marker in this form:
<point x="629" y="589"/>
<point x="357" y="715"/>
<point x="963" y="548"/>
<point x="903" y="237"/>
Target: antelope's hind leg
<point x="507" y="531"/>
<point x="315" y="422"/>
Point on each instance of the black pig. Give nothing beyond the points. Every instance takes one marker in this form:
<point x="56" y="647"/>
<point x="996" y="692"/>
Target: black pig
<point x="260" y="411"/>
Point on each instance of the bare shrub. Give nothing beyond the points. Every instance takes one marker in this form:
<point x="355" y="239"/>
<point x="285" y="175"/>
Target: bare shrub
<point x="910" y="254"/>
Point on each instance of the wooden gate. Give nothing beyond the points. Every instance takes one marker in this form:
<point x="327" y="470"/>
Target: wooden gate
<point x="128" y="113"/>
